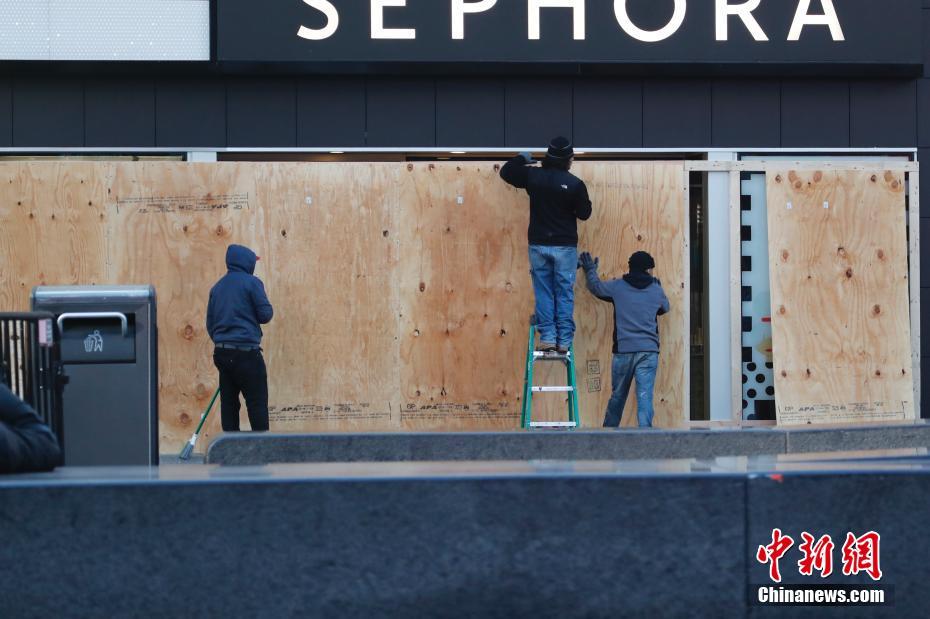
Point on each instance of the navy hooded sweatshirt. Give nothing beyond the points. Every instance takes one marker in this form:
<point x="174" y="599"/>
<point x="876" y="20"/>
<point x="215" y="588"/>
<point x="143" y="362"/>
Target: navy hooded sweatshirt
<point x="558" y="199"/>
<point x="238" y="303"/>
<point x="26" y="444"/>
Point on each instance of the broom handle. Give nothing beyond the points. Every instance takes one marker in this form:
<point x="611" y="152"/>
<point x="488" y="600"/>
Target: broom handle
<point x="206" y="413"/>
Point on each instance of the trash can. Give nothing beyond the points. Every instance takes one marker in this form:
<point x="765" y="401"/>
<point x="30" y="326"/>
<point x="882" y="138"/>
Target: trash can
<point x="109" y="350"/>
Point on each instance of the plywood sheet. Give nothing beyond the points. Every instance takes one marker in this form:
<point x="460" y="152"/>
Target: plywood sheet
<point x="169" y="225"/>
<point x="839" y="282"/>
<point x="637" y="207"/>
<point x="54" y="227"/>
<point x="402" y="291"/>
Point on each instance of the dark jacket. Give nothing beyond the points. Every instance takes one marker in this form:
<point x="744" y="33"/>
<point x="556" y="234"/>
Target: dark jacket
<point x="26" y="444"/>
<point x="558" y="199"/>
<point x="638" y="301"/>
<point x="238" y="303"/>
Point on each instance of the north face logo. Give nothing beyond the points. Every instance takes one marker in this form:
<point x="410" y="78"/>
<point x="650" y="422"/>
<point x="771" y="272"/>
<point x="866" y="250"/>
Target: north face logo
<point x="565" y="187"/>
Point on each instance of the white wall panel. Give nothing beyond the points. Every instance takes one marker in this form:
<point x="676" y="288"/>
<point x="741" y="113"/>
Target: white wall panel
<point x="141" y="30"/>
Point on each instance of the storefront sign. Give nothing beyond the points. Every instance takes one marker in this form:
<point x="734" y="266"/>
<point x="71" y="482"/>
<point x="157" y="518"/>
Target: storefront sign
<point x="615" y="32"/>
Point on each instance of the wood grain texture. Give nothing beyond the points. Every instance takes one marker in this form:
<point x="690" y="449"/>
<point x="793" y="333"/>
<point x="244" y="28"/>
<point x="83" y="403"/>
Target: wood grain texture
<point x="54" y="227"/>
<point x="638" y="206"/>
<point x="839" y="282"/>
<point x="401" y="290"/>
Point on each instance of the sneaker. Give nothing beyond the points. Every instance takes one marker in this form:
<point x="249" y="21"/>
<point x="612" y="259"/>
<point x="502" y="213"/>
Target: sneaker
<point x="545" y="347"/>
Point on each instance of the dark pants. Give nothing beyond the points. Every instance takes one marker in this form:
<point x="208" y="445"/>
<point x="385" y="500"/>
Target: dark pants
<point x="242" y="371"/>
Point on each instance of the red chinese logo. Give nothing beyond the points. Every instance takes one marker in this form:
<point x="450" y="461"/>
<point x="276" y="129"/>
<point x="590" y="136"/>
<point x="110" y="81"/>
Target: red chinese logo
<point x="772" y="553"/>
<point x="861" y="554"/>
<point x="817" y="556"/>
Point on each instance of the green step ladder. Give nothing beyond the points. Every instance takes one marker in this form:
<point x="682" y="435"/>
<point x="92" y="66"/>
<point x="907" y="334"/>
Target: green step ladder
<point x="533" y="357"/>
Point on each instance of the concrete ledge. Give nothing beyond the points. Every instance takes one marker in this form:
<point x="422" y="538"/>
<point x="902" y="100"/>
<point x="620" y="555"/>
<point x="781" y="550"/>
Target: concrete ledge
<point x="670" y="538"/>
<point x="858" y="439"/>
<point x="538" y="545"/>
<point x="253" y="449"/>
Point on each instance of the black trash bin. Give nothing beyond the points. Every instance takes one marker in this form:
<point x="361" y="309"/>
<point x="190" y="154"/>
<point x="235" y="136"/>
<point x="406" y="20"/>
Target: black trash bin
<point x="109" y="348"/>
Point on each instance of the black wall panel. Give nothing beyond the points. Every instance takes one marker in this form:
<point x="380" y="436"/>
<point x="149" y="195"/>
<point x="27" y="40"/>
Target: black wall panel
<point x="925" y="257"/>
<point x="190" y="113"/>
<point x="608" y="113"/>
<point x="6" y="113"/>
<point x="926" y="35"/>
<point x="924" y="386"/>
<point x="119" y="113"/>
<point x="537" y="111"/>
<point x="923" y="158"/>
<point x="924" y="326"/>
<point x="48" y="112"/>
<point x="331" y="112"/>
<point x="470" y="112"/>
<point x="747" y="113"/>
<point x="676" y="113"/>
<point x="883" y="113"/>
<point x="401" y="111"/>
<point x="923" y="113"/>
<point x="815" y="114"/>
<point x="261" y="112"/>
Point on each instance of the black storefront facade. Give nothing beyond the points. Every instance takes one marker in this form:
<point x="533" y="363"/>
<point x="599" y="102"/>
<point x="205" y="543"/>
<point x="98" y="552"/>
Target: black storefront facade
<point x="309" y="80"/>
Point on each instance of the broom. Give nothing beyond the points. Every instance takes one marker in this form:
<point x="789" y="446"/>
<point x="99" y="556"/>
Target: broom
<point x="189" y="447"/>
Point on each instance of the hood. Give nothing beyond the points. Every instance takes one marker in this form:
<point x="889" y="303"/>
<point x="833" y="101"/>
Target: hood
<point x="240" y="258"/>
<point x="639" y="279"/>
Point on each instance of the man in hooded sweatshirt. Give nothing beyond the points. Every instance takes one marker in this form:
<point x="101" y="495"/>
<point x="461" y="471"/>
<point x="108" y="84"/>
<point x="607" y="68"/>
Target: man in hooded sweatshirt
<point x="238" y="305"/>
<point x="558" y="199"/>
<point x="638" y="301"/>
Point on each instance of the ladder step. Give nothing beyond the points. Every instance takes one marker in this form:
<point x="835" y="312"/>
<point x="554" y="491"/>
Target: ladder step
<point x="553" y="424"/>
<point x="543" y="356"/>
<point x="553" y="389"/>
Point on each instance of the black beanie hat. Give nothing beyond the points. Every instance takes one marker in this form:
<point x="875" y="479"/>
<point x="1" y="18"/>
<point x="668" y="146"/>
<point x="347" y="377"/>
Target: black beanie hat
<point x="641" y="261"/>
<point x="560" y="148"/>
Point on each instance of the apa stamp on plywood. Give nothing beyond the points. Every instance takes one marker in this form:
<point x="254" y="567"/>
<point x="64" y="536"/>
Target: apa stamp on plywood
<point x="594" y="375"/>
<point x="444" y="411"/>
<point x="343" y="411"/>
<point x="185" y="204"/>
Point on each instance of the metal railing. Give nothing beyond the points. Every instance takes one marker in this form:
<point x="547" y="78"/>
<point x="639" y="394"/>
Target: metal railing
<point x="30" y="364"/>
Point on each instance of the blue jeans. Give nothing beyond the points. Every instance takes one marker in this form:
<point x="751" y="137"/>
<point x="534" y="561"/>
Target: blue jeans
<point x="626" y="366"/>
<point x="553" y="270"/>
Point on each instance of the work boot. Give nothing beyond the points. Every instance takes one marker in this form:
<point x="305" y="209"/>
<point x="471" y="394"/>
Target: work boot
<point x="561" y="349"/>
<point x="545" y="347"/>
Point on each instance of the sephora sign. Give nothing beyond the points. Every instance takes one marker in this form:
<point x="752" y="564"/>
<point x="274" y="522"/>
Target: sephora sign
<point x="883" y="34"/>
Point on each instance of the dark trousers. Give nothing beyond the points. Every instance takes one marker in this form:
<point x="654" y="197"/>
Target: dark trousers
<point x="242" y="371"/>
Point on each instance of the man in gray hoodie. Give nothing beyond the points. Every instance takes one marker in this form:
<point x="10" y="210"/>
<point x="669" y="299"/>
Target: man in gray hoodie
<point x="638" y="301"/>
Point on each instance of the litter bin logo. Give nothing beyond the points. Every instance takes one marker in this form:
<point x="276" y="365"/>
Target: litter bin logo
<point x="93" y="342"/>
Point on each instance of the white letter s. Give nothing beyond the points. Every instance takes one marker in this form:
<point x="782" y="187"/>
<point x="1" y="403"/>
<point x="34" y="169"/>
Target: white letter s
<point x="332" y="21"/>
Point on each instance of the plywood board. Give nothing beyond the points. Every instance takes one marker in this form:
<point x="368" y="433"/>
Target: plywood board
<point x="54" y="227"/>
<point x="839" y="281"/>
<point x="402" y="291"/>
<point x="169" y="225"/>
<point x="636" y="207"/>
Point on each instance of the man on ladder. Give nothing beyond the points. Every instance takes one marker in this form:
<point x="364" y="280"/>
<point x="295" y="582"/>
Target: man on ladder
<point x="558" y="199"/>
